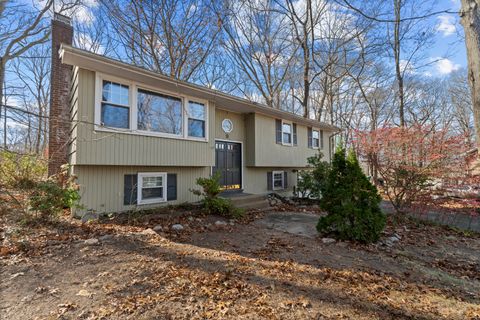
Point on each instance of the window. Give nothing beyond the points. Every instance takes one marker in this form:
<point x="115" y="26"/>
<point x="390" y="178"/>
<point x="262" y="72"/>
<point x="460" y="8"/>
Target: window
<point x="286" y="133"/>
<point x="315" y="139"/>
<point x="159" y="113"/>
<point x="115" y="105"/>
<point x="277" y="182"/>
<point x="196" y="119"/>
<point x="140" y="110"/>
<point x="152" y="187"/>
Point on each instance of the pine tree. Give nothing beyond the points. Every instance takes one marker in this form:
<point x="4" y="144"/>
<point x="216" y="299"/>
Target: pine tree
<point x="351" y="201"/>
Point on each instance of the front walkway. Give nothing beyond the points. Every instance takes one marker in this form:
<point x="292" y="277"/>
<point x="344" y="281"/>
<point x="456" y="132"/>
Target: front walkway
<point x="302" y="224"/>
<point x="456" y="220"/>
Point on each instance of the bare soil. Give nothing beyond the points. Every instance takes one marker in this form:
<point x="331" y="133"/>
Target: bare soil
<point x="239" y="271"/>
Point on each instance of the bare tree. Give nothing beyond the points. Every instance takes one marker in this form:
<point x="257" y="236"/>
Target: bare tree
<point x="23" y="27"/>
<point x="304" y="17"/>
<point x="405" y="28"/>
<point x="173" y="37"/>
<point x="94" y="35"/>
<point x="257" y="37"/>
<point x="461" y="104"/>
<point x="470" y="15"/>
<point x="34" y="75"/>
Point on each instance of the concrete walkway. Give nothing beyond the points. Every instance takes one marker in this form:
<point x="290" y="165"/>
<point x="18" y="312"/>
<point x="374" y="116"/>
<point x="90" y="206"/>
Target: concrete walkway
<point x="460" y="221"/>
<point x="302" y="224"/>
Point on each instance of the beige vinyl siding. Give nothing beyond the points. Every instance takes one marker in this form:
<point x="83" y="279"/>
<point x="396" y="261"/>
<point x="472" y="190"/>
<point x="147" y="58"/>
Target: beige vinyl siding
<point x="238" y="132"/>
<point x="102" y="187"/>
<point x="267" y="153"/>
<point x="256" y="180"/>
<point x="249" y="156"/>
<point x="73" y="116"/>
<point x="117" y="148"/>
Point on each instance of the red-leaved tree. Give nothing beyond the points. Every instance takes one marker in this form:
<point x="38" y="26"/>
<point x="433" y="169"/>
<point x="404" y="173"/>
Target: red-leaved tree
<point x="411" y="162"/>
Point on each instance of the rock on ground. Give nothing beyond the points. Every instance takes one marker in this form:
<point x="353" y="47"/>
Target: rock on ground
<point x="92" y="242"/>
<point x="177" y="227"/>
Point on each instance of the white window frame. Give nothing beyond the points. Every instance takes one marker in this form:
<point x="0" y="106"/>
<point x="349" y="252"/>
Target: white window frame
<point x="99" y="100"/>
<point x="142" y="175"/>
<point x="187" y="116"/>
<point x="273" y="180"/>
<point x="291" y="133"/>
<point x="132" y="93"/>
<point x="313" y="139"/>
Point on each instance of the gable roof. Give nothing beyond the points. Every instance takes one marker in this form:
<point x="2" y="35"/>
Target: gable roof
<point x="95" y="62"/>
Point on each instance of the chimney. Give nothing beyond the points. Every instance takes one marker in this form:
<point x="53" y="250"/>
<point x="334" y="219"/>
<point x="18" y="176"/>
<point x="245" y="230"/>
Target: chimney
<point x="60" y="78"/>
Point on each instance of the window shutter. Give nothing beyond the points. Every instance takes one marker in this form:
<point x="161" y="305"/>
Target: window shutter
<point x="285" y="180"/>
<point x="321" y="139"/>
<point x="269" y="181"/>
<point x="130" y="189"/>
<point x="278" y="131"/>
<point x="294" y="134"/>
<point x="171" y="186"/>
<point x="310" y="138"/>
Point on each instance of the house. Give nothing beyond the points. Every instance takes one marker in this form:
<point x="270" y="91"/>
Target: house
<point x="137" y="139"/>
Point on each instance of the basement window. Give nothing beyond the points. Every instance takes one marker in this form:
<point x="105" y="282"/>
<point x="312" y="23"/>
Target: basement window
<point x="277" y="177"/>
<point x="115" y="110"/>
<point x="152" y="187"/>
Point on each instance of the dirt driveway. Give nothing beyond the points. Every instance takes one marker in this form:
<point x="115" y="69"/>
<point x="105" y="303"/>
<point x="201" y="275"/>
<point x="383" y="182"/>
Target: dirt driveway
<point x="266" y="267"/>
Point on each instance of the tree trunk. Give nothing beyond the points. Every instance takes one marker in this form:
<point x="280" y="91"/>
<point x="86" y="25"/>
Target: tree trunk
<point x="2" y="103"/>
<point x="397" y="54"/>
<point x="470" y="15"/>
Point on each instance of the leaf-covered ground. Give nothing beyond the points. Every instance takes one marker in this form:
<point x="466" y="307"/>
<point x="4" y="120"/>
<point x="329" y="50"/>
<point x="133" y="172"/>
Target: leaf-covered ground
<point x="233" y="271"/>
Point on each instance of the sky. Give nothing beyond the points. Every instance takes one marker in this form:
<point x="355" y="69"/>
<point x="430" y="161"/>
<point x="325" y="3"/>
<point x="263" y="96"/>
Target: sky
<point x="448" y="43"/>
<point x="446" y="55"/>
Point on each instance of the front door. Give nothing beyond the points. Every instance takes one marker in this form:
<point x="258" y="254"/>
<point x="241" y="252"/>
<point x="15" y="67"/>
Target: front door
<point x="228" y="161"/>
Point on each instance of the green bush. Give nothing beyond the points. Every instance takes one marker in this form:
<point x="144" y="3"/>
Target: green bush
<point x="211" y="202"/>
<point x="25" y="177"/>
<point x="351" y="201"/>
<point x="312" y="181"/>
<point x="49" y="198"/>
<point x="18" y="171"/>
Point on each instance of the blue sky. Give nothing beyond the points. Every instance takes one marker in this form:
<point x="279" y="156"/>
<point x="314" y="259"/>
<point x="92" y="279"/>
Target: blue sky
<point x="448" y="43"/>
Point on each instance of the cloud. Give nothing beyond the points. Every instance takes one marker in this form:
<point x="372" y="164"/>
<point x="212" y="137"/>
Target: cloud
<point x="446" y="25"/>
<point x="445" y="66"/>
<point x="83" y="14"/>
<point x="84" y="41"/>
<point x="407" y="67"/>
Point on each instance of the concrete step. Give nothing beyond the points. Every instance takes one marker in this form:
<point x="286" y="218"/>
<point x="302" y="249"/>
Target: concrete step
<point x="246" y="199"/>
<point x="261" y="204"/>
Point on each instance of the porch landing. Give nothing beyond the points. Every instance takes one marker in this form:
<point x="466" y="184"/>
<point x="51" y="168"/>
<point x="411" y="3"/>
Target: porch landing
<point x="246" y="200"/>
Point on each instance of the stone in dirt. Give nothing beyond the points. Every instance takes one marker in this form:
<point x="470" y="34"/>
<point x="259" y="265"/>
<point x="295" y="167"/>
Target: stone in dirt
<point x="91" y="242"/>
<point x="328" y="240"/>
<point x="390" y="241"/>
<point x="84" y="293"/>
<point x="148" y="231"/>
<point x="106" y="237"/>
<point x="158" y="228"/>
<point x="89" y="216"/>
<point x="220" y="223"/>
<point x="177" y="227"/>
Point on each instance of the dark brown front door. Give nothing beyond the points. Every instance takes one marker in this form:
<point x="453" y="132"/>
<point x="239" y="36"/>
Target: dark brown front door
<point x="228" y="161"/>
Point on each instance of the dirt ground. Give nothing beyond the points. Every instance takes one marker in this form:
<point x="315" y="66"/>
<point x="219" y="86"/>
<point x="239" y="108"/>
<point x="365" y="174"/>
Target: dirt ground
<point x="121" y="269"/>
